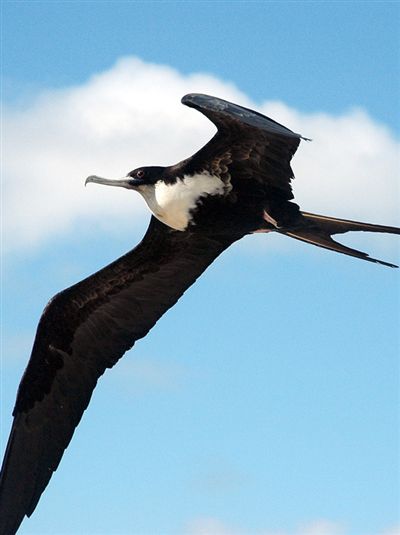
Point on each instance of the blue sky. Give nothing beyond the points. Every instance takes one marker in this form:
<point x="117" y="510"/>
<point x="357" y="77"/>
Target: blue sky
<point x="266" y="401"/>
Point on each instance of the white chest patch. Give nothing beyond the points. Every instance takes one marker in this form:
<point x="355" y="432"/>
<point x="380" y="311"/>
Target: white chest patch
<point x="172" y="203"/>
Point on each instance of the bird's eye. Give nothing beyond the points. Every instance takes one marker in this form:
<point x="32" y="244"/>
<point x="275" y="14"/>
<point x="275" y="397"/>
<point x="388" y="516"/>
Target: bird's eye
<point x="140" y="173"/>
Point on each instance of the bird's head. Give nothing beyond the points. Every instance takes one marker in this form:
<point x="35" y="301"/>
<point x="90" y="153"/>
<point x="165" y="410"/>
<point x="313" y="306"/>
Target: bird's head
<point x="137" y="179"/>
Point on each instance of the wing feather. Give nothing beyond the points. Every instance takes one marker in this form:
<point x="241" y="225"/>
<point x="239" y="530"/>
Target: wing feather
<point x="247" y="145"/>
<point x="84" y="330"/>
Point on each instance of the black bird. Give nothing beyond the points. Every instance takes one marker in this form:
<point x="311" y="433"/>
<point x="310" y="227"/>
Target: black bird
<point x="237" y="184"/>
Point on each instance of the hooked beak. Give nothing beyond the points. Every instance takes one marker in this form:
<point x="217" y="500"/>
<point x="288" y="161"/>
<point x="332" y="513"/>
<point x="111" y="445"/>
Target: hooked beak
<point x="127" y="182"/>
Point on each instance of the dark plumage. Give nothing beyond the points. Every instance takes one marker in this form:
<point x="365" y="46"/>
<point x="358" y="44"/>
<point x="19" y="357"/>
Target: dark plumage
<point x="89" y="326"/>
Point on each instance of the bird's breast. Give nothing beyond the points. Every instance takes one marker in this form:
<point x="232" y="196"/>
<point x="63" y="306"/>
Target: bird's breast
<point x="174" y="204"/>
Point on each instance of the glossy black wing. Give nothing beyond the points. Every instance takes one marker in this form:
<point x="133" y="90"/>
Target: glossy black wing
<point x="248" y="145"/>
<point x="84" y="330"/>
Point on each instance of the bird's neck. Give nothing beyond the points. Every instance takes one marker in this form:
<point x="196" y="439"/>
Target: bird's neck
<point x="175" y="203"/>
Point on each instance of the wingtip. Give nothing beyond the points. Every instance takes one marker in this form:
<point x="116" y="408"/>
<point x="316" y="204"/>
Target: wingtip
<point x="186" y="97"/>
<point x="189" y="98"/>
<point x="388" y="264"/>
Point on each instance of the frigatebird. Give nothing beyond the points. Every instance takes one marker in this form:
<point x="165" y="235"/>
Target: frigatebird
<point x="237" y="184"/>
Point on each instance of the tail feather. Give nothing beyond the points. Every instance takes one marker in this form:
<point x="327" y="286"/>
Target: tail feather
<point x="332" y="225"/>
<point x="318" y="230"/>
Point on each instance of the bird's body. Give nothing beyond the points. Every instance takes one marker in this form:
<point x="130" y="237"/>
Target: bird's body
<point x="237" y="184"/>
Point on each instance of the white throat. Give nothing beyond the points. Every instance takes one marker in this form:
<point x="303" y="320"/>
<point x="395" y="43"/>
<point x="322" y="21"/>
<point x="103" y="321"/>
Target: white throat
<point x="173" y="203"/>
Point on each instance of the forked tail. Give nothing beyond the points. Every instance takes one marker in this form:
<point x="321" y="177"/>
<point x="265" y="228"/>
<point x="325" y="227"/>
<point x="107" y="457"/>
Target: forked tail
<point x="318" y="230"/>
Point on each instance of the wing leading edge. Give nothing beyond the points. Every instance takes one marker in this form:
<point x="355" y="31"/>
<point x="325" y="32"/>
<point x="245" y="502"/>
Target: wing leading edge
<point x="219" y="111"/>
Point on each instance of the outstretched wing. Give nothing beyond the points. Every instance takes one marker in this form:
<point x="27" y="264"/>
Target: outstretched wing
<point x="248" y="145"/>
<point x="84" y="330"/>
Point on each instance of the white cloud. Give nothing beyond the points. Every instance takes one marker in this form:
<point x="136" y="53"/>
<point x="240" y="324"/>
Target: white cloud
<point x="213" y="526"/>
<point x="131" y="115"/>
<point x="351" y="168"/>
<point x="394" y="530"/>
<point x="321" y="527"/>
<point x="209" y="526"/>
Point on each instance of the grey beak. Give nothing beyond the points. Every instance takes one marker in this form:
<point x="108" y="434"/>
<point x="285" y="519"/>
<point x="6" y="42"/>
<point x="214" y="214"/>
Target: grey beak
<point x="126" y="182"/>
